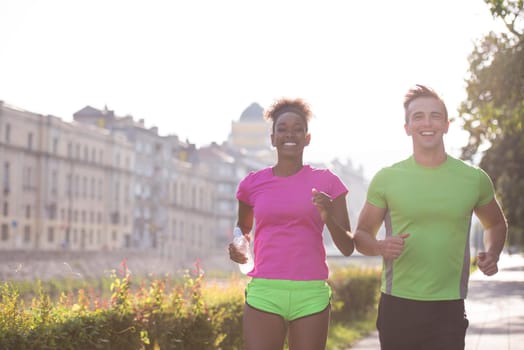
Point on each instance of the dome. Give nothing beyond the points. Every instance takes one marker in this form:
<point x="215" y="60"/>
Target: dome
<point x="253" y="113"/>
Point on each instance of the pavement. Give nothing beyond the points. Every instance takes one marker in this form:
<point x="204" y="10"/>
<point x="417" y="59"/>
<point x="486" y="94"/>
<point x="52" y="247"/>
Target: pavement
<point x="494" y="307"/>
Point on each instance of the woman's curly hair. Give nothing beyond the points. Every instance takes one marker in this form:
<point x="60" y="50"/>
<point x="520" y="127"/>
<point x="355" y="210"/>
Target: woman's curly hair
<point x="285" y="105"/>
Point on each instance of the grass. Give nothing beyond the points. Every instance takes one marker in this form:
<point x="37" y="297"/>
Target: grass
<point x="343" y="336"/>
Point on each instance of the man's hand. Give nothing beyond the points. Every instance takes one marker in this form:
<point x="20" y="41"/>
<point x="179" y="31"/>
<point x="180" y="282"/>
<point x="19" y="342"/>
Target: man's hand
<point x="487" y="263"/>
<point x="392" y="247"/>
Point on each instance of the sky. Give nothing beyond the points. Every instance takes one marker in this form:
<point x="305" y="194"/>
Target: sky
<point x="192" y="67"/>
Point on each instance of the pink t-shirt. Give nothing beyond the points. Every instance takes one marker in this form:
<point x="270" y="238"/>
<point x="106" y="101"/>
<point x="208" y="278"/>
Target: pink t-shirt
<point x="288" y="229"/>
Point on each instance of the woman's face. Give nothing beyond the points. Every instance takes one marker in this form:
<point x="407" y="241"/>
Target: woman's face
<point x="290" y="135"/>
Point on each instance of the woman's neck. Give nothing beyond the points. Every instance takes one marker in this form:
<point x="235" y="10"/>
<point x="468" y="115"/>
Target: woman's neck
<point x="287" y="168"/>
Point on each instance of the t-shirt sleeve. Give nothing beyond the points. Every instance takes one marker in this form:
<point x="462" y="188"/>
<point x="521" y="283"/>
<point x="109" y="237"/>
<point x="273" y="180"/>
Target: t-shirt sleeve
<point x="337" y="187"/>
<point x="486" y="190"/>
<point x="376" y="190"/>
<point x="243" y="193"/>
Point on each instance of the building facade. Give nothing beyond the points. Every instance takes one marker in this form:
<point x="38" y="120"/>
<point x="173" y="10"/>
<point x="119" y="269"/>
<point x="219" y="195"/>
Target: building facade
<point x="173" y="194"/>
<point x="63" y="186"/>
<point x="104" y="182"/>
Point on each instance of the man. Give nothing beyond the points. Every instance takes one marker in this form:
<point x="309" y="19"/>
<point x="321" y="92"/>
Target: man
<point x="426" y="204"/>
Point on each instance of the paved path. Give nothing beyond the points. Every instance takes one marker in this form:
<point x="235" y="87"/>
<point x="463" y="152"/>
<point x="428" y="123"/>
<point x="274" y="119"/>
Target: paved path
<point x="495" y="308"/>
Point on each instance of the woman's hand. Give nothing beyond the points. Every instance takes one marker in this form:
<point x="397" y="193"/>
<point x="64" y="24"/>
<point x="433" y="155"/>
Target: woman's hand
<point x="323" y="203"/>
<point x="236" y="255"/>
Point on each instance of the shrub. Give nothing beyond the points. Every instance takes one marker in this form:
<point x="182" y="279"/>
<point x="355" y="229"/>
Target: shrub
<point x="192" y="315"/>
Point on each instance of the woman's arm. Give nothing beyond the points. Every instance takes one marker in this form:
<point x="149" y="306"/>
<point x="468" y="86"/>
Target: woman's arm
<point x="334" y="213"/>
<point x="245" y="223"/>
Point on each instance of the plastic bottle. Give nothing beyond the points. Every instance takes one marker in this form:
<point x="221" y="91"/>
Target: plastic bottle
<point x="242" y="245"/>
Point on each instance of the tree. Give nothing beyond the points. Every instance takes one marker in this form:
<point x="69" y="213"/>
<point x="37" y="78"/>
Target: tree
<point x="493" y="112"/>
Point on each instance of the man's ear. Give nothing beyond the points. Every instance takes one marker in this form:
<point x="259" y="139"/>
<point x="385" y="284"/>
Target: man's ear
<point x="407" y="129"/>
<point x="273" y="140"/>
<point x="447" y="127"/>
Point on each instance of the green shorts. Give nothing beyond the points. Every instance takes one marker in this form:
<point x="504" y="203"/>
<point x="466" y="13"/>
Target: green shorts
<point x="289" y="299"/>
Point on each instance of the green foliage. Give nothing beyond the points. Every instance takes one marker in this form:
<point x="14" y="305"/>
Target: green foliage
<point x="194" y="314"/>
<point x="355" y="293"/>
<point x="493" y="112"/>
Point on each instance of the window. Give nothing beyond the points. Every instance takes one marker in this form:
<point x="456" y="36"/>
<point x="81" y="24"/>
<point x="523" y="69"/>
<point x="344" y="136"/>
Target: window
<point x="5" y="232"/>
<point x="52" y="211"/>
<point x="93" y="187"/>
<point x="117" y="191"/>
<point x="7" y="133"/>
<point x="5" y="180"/>
<point x="69" y="184"/>
<point x="193" y="197"/>
<point x="27" y="211"/>
<point x="77" y="186"/>
<point x="55" y="145"/>
<point x="175" y="192"/>
<point x="50" y="235"/>
<point x="100" y="185"/>
<point x="30" y="140"/>
<point x="27" y="234"/>
<point x="84" y="187"/>
<point x="27" y="178"/>
<point x="54" y="182"/>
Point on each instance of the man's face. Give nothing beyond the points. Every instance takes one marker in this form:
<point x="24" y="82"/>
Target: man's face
<point x="426" y="122"/>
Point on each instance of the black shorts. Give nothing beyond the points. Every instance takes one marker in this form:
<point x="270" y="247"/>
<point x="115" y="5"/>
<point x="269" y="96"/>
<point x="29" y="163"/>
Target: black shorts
<point x="405" y="324"/>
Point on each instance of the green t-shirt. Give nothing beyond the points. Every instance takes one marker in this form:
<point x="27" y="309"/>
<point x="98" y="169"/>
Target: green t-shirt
<point x="435" y="206"/>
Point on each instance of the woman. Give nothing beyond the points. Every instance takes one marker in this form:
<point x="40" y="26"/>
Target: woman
<point x="290" y="202"/>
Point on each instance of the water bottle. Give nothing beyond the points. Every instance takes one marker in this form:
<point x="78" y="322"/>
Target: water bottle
<point x="242" y="244"/>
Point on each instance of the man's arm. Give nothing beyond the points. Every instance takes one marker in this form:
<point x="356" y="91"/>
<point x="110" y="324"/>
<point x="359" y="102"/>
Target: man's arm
<point x="369" y="222"/>
<point x="495" y="231"/>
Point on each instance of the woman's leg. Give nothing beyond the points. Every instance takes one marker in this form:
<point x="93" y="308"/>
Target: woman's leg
<point x="263" y="330"/>
<point x="309" y="332"/>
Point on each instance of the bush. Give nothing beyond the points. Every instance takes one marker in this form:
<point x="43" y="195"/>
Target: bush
<point x="355" y="293"/>
<point x="191" y="315"/>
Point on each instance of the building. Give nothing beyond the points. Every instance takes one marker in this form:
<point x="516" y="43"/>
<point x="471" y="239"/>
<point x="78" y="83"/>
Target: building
<point x="63" y="186"/>
<point x="173" y="195"/>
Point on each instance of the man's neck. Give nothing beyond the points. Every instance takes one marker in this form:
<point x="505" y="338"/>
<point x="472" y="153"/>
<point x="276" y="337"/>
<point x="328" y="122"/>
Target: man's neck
<point x="430" y="159"/>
